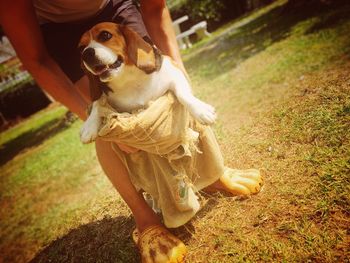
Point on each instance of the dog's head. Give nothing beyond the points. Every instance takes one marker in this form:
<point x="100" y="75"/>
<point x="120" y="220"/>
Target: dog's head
<point x="107" y="48"/>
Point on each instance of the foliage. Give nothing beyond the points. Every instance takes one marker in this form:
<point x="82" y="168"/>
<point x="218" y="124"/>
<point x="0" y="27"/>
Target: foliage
<point x="205" y="9"/>
<point x="214" y="12"/>
<point x="175" y="4"/>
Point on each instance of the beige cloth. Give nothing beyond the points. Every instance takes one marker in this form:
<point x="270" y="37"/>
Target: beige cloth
<point x="178" y="155"/>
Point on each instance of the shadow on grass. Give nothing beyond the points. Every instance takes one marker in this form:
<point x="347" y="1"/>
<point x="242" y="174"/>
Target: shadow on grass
<point x="107" y="240"/>
<point x="33" y="137"/>
<point x="241" y="42"/>
<point x="331" y="19"/>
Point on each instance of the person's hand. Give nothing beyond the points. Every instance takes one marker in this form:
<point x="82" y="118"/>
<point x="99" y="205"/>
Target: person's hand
<point x="127" y="149"/>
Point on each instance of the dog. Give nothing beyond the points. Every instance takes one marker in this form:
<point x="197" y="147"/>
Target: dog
<point x="131" y="72"/>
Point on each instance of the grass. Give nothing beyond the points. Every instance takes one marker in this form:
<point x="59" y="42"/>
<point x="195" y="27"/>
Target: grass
<point x="51" y="177"/>
<point x="280" y="83"/>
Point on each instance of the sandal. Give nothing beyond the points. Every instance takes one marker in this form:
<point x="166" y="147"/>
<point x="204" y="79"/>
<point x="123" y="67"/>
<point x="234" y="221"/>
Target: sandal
<point x="158" y="245"/>
<point x="242" y="182"/>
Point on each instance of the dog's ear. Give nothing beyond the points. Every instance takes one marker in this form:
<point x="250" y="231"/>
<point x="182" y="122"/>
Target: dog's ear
<point x="94" y="90"/>
<point x="139" y="51"/>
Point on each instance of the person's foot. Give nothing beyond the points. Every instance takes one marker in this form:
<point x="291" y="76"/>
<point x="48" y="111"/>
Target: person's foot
<point x="158" y="245"/>
<point x="238" y="182"/>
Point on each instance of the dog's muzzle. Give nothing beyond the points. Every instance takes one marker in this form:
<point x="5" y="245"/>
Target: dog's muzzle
<point x="96" y="65"/>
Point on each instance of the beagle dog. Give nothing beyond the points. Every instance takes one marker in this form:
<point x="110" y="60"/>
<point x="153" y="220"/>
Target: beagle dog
<point x="131" y="72"/>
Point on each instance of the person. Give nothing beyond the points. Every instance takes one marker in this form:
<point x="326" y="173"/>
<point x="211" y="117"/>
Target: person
<point x="45" y="35"/>
<point x="21" y="25"/>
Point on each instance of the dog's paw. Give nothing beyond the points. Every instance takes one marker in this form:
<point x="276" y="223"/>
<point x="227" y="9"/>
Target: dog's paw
<point x="203" y="112"/>
<point x="88" y="132"/>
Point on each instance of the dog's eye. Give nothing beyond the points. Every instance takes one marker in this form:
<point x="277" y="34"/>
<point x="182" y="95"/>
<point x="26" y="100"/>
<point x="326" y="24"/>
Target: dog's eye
<point x="104" y="36"/>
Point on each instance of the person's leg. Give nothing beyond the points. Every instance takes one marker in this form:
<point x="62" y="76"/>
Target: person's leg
<point x="156" y="244"/>
<point x="118" y="175"/>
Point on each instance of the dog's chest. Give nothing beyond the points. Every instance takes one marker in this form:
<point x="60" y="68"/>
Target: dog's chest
<point x="136" y="94"/>
<point x="129" y="101"/>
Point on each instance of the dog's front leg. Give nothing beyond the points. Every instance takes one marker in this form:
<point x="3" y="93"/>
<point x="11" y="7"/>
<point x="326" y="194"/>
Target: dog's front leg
<point x="91" y="126"/>
<point x="200" y="110"/>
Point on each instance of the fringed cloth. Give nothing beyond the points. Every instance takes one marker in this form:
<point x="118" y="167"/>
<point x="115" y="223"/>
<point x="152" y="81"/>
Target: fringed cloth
<point x="178" y="156"/>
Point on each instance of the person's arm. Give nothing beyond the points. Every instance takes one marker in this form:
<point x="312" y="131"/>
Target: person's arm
<point x="18" y="20"/>
<point x="158" y="23"/>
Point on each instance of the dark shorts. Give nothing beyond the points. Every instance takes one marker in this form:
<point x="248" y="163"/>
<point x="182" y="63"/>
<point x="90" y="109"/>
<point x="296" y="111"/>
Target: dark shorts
<point x="62" y="39"/>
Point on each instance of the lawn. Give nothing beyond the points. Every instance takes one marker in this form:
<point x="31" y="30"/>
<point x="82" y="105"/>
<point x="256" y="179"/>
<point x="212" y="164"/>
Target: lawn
<point x="281" y="85"/>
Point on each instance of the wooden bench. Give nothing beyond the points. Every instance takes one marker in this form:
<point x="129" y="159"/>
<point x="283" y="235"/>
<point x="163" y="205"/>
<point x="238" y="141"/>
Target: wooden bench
<point x="200" y="29"/>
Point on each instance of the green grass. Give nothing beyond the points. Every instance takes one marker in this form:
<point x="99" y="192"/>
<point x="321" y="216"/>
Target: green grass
<point x="280" y="84"/>
<point x="34" y="123"/>
<point x="48" y="181"/>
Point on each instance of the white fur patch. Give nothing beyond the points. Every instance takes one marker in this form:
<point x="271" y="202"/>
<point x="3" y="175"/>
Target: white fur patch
<point x="90" y="128"/>
<point x="103" y="53"/>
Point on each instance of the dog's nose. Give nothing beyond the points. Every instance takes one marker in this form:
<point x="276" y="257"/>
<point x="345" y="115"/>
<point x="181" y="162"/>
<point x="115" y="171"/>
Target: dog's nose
<point x="88" y="54"/>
